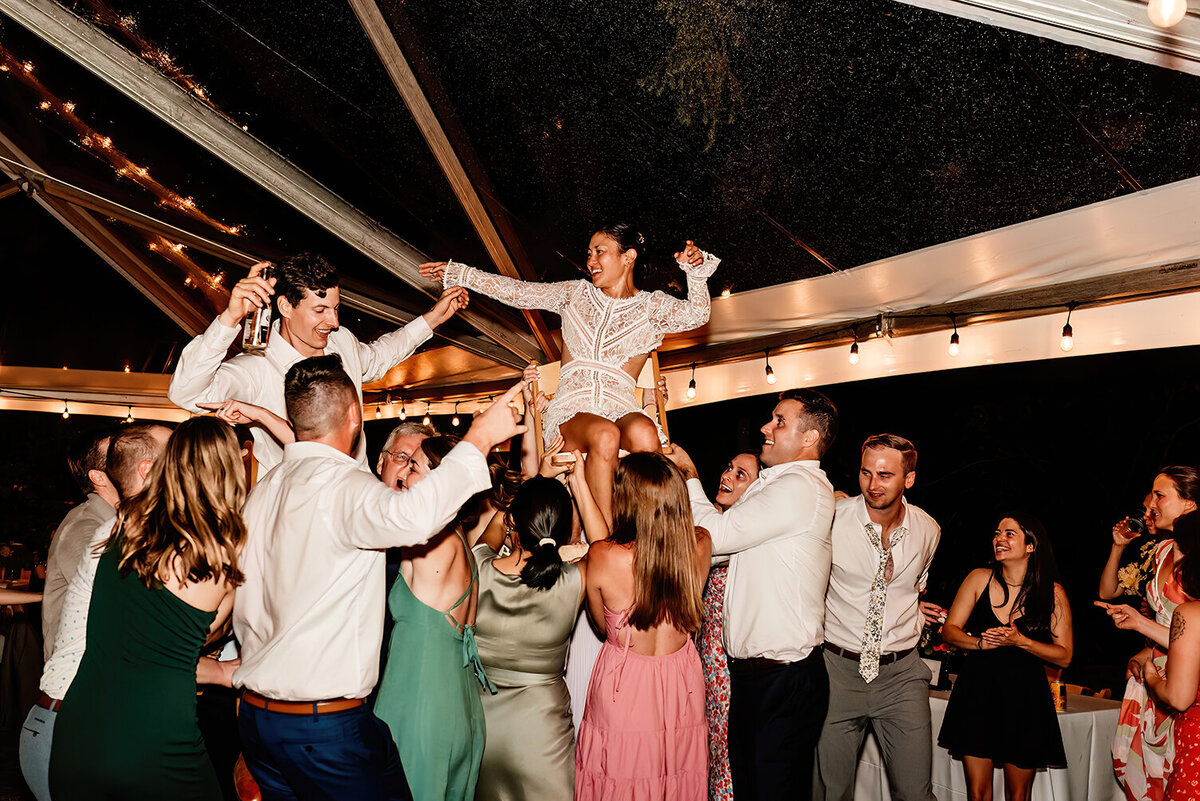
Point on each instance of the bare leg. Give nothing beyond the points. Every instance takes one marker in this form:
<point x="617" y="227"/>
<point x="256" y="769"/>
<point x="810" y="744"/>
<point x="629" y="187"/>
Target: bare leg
<point x="639" y="434"/>
<point x="979" y="778"/>
<point x="600" y="439"/>
<point x="1018" y="783"/>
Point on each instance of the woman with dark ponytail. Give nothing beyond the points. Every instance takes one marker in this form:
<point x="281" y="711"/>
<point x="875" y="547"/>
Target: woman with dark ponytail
<point x="609" y="329"/>
<point x="528" y="602"/>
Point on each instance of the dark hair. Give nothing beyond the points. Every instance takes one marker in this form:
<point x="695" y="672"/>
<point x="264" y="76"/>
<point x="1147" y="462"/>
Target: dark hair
<point x="129" y="447"/>
<point x="316" y="392"/>
<point x="1186" y="480"/>
<point x="303" y="271"/>
<point x="819" y="414"/>
<point x="1035" y="599"/>
<point x="626" y="236"/>
<point x="908" y="451"/>
<point x="541" y="509"/>
<point x="505" y="483"/>
<point x="87" y="452"/>
<point x="1187" y="538"/>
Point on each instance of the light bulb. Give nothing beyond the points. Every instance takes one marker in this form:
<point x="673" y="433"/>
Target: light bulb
<point x="426" y="420"/>
<point x="454" y="421"/>
<point x="1068" y="339"/>
<point x="66" y="410"/>
<point x="129" y="417"/>
<point x="378" y="412"/>
<point x="770" y="375"/>
<point x="953" y="349"/>
<point x="691" y="391"/>
<point x="403" y="413"/>
<point x="854" y="353"/>
<point x="1165" y="13"/>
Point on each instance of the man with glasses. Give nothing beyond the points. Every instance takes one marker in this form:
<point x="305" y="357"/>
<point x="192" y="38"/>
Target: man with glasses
<point x="401" y="444"/>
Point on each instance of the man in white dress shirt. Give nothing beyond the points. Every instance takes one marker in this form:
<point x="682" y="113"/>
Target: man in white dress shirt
<point x="777" y="538"/>
<point x="307" y="299"/>
<point x="310" y="613"/>
<point x="882" y="549"/>
<point x="86" y="458"/>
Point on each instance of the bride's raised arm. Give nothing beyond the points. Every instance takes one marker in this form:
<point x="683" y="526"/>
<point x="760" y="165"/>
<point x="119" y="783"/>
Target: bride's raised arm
<point x="672" y="315"/>
<point x="511" y="291"/>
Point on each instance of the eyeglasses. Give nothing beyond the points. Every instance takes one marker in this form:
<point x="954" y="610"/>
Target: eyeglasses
<point x="399" y="456"/>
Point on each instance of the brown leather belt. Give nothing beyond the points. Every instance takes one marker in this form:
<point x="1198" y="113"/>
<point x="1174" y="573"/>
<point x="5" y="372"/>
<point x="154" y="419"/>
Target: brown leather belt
<point x="301" y="707"/>
<point x="884" y="659"/>
<point x="46" y="702"/>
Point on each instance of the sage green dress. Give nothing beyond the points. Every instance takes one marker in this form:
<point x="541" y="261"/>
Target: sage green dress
<point x="127" y="728"/>
<point x="523" y="636"/>
<point x="429" y="695"/>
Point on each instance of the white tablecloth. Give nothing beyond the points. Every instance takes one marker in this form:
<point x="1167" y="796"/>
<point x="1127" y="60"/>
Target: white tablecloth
<point x="1087" y="730"/>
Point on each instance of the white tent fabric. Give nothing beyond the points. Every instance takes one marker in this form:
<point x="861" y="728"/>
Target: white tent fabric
<point x="1146" y="229"/>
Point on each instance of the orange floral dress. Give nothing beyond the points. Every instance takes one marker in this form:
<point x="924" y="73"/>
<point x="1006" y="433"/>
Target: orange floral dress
<point x="1144" y="746"/>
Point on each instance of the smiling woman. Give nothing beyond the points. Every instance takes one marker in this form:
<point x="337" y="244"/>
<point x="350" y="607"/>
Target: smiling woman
<point x="609" y="328"/>
<point x="1011" y="618"/>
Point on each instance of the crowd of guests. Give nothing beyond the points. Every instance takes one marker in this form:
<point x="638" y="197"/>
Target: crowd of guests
<point x="410" y="634"/>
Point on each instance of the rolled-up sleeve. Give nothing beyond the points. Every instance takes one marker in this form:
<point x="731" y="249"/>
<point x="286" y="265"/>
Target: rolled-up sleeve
<point x="381" y="517"/>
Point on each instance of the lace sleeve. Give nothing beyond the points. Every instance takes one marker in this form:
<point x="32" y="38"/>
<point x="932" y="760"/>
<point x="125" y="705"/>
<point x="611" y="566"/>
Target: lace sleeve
<point x="519" y="294"/>
<point x="671" y="315"/>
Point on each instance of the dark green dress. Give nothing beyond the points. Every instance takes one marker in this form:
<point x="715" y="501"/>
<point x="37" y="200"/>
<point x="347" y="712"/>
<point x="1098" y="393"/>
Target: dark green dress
<point x="127" y="728"/>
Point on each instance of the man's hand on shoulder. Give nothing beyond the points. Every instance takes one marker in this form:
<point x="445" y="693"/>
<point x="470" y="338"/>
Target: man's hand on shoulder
<point x="252" y="292"/>
<point x="452" y="299"/>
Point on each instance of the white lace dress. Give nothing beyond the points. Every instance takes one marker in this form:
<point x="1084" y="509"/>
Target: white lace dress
<point x="600" y="334"/>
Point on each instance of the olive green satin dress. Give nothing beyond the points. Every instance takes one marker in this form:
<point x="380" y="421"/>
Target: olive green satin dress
<point x="523" y="636"/>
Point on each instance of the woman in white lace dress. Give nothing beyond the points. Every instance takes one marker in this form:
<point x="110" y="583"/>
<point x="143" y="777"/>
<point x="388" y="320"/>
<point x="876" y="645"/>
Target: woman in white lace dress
<point x="609" y="328"/>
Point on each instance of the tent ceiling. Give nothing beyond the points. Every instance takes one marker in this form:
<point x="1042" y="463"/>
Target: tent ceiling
<point x="838" y="135"/>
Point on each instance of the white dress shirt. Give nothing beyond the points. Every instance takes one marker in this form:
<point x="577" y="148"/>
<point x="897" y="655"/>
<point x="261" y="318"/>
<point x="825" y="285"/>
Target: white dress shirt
<point x="257" y="378"/>
<point x="310" y="614"/>
<point x="71" y="640"/>
<point x="66" y="549"/>
<point x="777" y="536"/>
<point x="855" y="562"/>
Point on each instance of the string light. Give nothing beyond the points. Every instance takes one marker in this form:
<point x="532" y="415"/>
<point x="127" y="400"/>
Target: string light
<point x="454" y="420"/>
<point x="1068" y="334"/>
<point x="66" y="410"/>
<point x="854" y="351"/>
<point x="1166" y="13"/>
<point x="127" y="367"/>
<point x="726" y="292"/>
<point x="426" y="419"/>
<point x="953" y="349"/>
<point x="691" y="390"/>
<point x="378" y="411"/>
<point x="403" y="411"/>
<point x="770" y="372"/>
<point x="129" y="416"/>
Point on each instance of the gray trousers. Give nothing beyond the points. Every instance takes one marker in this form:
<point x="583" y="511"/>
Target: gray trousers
<point x="896" y="704"/>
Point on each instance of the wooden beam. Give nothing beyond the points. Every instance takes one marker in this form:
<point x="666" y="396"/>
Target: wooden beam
<point x="9" y="189"/>
<point x="105" y="244"/>
<point x="500" y="247"/>
<point x="143" y="84"/>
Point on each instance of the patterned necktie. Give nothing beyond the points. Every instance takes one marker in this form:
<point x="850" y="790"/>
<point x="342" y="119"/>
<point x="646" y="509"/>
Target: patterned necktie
<point x="868" y="663"/>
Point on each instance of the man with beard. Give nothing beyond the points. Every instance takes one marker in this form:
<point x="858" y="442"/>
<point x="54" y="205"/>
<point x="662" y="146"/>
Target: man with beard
<point x="882" y="548"/>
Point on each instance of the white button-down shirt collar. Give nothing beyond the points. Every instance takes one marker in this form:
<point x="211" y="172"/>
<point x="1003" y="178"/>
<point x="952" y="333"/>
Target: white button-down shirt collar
<point x="777" y="536"/>
<point x="855" y="562"/>
<point x="310" y="613"/>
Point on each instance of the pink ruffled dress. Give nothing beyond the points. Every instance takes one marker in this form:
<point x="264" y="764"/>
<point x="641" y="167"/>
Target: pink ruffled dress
<point x="644" y="734"/>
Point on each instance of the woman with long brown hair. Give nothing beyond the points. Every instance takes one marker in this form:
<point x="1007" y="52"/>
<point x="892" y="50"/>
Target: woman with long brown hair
<point x="644" y="731"/>
<point x="127" y="728"/>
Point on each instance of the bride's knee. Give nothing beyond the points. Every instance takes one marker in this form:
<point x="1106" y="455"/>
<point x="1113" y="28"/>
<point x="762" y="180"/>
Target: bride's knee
<point x="604" y="440"/>
<point x="641" y="436"/>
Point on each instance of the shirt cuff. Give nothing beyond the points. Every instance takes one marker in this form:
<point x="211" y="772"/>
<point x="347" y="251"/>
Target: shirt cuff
<point x="706" y="268"/>
<point x="220" y="337"/>
<point x="419" y="329"/>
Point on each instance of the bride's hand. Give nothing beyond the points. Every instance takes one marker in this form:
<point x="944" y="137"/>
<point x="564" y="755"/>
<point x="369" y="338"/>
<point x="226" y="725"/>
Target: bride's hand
<point x="433" y="270"/>
<point x="691" y="254"/>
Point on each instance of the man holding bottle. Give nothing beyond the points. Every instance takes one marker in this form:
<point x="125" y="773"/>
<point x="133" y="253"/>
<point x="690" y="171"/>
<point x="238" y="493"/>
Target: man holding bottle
<point x="307" y="298"/>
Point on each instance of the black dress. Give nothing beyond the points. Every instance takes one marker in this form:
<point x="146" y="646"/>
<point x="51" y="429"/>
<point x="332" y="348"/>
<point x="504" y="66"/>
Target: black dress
<point x="1001" y="707"/>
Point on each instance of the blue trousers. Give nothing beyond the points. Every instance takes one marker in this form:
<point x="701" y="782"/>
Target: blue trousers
<point x="330" y="757"/>
<point x="36" y="736"/>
